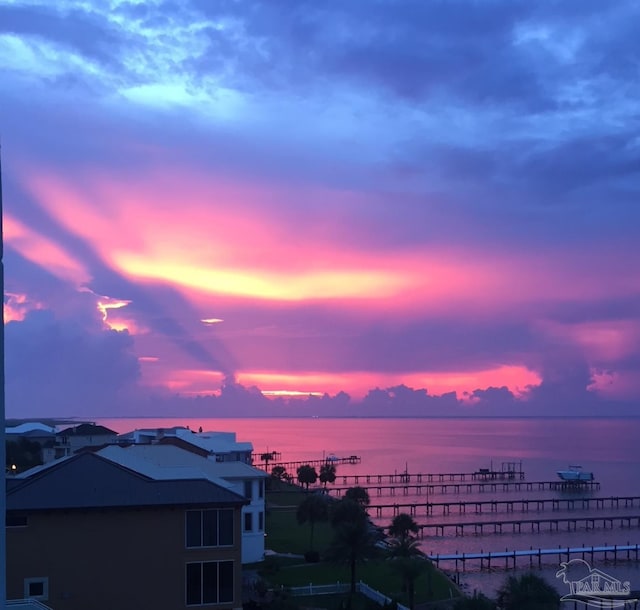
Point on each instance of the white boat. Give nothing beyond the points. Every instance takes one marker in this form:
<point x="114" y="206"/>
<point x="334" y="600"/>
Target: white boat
<point x="575" y="473"/>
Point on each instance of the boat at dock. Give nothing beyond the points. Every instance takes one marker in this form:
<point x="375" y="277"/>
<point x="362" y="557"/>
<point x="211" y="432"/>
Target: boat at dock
<point x="575" y="473"/>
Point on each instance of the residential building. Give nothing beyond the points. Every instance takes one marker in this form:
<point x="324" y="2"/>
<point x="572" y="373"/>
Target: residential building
<point x="222" y="446"/>
<point x="86" y="532"/>
<point x="71" y="439"/>
<point x="167" y="461"/>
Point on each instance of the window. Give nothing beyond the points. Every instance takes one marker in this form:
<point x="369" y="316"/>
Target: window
<point x="248" y="489"/>
<point x="261" y="488"/>
<point x="209" y="582"/>
<point x="260" y="521"/>
<point x="248" y="522"/>
<point x="212" y="527"/>
<point x="36" y="588"/>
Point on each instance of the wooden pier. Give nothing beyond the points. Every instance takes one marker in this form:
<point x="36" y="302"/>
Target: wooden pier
<point x="482" y="475"/>
<point x="522" y="505"/>
<point x="291" y="467"/>
<point x="498" y="527"/>
<point x="418" y="489"/>
<point x="615" y="552"/>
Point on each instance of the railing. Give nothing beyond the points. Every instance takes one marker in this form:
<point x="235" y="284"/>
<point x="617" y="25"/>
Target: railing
<point x="26" y="604"/>
<point x="376" y="596"/>
<point x="339" y="587"/>
<point x="312" y="589"/>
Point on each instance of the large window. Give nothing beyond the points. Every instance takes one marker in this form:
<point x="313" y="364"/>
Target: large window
<point x="213" y="527"/>
<point x="248" y="490"/>
<point x="209" y="582"/>
<point x="248" y="522"/>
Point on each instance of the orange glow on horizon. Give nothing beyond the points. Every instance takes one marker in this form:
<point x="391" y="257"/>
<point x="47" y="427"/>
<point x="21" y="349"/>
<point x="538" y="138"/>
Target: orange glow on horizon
<point x="357" y="383"/>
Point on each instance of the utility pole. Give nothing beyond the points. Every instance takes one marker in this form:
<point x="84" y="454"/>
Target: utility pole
<point x="3" y="485"/>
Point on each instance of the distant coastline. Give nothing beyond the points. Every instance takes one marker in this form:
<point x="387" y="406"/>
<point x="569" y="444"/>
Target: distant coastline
<point x="74" y="419"/>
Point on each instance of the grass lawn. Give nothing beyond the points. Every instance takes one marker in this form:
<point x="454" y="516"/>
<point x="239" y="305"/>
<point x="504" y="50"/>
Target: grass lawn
<point x="285" y="535"/>
<point x="378" y="574"/>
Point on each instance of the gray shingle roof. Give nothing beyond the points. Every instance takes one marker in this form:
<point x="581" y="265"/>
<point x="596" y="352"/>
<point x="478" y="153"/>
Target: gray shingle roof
<point x="87" y="430"/>
<point x="87" y="480"/>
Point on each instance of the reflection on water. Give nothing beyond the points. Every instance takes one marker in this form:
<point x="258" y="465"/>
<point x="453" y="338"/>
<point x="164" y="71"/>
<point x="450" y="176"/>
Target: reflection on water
<point x="608" y="447"/>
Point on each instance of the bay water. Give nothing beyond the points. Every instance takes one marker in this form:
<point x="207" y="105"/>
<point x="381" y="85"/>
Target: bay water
<point x="608" y="447"/>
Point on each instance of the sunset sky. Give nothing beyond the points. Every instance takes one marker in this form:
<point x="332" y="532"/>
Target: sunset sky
<point x="214" y="206"/>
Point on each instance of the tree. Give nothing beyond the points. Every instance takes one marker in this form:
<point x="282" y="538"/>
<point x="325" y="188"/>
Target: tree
<point x="403" y="526"/>
<point x="279" y="472"/>
<point x="359" y="495"/>
<point x="353" y="539"/>
<point x="22" y="454"/>
<point x="405" y="554"/>
<point x="327" y="473"/>
<point x="346" y="510"/>
<point x="307" y="475"/>
<point x="527" y="592"/>
<point x="312" y="509"/>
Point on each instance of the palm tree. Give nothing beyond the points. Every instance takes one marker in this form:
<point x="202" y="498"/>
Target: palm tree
<point x="354" y="539"/>
<point x="358" y="494"/>
<point x="279" y="472"/>
<point x="307" y="475"/>
<point x="327" y="473"/>
<point x="347" y="510"/>
<point x="403" y="526"/>
<point x="407" y="559"/>
<point x="527" y="592"/>
<point x="312" y="509"/>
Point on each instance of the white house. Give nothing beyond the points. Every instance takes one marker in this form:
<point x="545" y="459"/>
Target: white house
<point x="167" y="461"/>
<point x="222" y="445"/>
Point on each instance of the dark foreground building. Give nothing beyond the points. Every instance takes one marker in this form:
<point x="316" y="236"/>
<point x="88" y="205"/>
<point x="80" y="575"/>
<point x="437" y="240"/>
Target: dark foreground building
<point x="84" y="532"/>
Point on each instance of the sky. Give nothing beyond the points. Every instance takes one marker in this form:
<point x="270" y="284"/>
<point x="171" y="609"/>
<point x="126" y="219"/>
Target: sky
<point x="373" y="207"/>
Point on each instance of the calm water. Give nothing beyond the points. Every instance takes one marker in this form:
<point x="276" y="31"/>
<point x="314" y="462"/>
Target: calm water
<point x="608" y="447"/>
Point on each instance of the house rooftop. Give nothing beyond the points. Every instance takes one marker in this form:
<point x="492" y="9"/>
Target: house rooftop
<point x="212" y="441"/>
<point x="88" y="430"/>
<point x="90" y="481"/>
<point x="33" y="428"/>
<point x="158" y="460"/>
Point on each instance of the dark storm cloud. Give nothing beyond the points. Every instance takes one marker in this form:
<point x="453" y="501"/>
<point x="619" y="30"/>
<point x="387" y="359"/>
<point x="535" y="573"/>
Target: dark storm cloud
<point x="83" y="31"/>
<point x="415" y="49"/>
<point x="59" y="366"/>
<point x="404" y="49"/>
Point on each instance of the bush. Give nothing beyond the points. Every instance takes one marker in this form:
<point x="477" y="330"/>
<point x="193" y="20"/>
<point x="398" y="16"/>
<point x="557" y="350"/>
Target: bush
<point x="312" y="557"/>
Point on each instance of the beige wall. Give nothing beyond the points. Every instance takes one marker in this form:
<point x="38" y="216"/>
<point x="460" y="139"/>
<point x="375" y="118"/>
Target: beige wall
<point x="110" y="559"/>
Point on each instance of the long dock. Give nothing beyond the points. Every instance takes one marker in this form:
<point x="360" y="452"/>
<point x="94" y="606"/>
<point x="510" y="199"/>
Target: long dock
<point x="494" y="506"/>
<point x="418" y="489"/>
<point x="292" y="466"/>
<point x="498" y="527"/>
<point x="625" y="551"/>
<point x="431" y="477"/>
